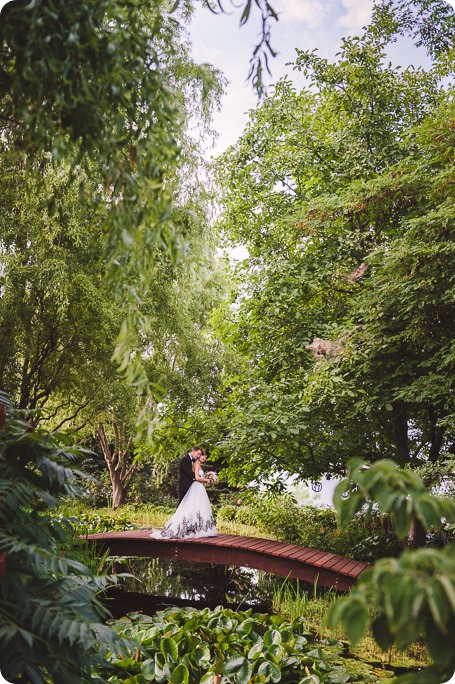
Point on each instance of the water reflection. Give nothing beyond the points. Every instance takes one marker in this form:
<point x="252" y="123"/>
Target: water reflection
<point x="156" y="583"/>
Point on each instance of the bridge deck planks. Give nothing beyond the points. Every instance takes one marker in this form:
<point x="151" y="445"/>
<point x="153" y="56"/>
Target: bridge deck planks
<point x="310" y="565"/>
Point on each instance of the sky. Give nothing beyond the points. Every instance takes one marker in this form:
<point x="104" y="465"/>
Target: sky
<point x="303" y="24"/>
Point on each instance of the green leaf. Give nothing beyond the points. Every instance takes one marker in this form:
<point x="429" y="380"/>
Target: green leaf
<point x="180" y="675"/>
<point x="340" y="676"/>
<point x="255" y="651"/>
<point x="382" y="633"/>
<point x="402" y="511"/>
<point x="201" y="655"/>
<point x="243" y="674"/>
<point x="428" y="511"/>
<point x="207" y="678"/>
<point x="448" y="586"/>
<point x="355" y="619"/>
<point x="239" y="668"/>
<point x="437" y="602"/>
<point x="245" y="628"/>
<point x="272" y="637"/>
<point x="148" y="669"/>
<point x="270" y="671"/>
<point x="245" y="13"/>
<point x="169" y="649"/>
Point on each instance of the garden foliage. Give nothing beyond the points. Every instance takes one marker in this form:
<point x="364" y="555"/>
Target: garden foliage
<point x="363" y="538"/>
<point x="412" y="597"/>
<point x="187" y="646"/>
<point x="52" y="623"/>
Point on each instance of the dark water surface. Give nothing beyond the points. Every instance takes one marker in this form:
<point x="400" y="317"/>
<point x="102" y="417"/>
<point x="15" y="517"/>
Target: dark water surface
<point x="158" y="583"/>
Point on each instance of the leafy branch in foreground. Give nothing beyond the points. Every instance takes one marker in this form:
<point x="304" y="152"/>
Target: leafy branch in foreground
<point x="409" y="598"/>
<point x="51" y="620"/>
<point x="393" y="490"/>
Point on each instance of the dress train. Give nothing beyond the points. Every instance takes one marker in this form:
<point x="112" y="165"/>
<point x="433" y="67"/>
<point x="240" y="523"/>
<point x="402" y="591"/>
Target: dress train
<point x="192" y="519"/>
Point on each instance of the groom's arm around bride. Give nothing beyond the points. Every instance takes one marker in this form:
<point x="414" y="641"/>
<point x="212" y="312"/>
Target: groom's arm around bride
<point x="186" y="474"/>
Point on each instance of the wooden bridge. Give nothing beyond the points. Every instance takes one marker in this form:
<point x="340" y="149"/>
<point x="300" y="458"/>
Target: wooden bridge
<point x="328" y="569"/>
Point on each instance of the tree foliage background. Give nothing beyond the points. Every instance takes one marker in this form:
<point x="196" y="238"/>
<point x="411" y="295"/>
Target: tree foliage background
<point x="98" y="140"/>
<point x="345" y="337"/>
<point x="100" y="204"/>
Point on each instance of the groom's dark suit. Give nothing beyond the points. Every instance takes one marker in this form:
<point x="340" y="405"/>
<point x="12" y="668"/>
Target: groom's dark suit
<point x="186" y="476"/>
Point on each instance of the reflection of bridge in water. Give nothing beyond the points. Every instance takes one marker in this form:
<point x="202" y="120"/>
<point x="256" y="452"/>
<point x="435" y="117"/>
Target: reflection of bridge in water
<point x="267" y="555"/>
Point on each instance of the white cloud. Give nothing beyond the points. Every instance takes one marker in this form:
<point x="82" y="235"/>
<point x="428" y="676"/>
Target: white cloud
<point x="203" y="53"/>
<point x="309" y="12"/>
<point x="357" y="14"/>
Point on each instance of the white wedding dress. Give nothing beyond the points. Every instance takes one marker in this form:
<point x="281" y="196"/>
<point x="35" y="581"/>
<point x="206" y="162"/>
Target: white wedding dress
<point x="192" y="519"/>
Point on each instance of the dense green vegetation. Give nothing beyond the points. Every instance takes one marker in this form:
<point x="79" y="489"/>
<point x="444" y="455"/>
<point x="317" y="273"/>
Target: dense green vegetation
<point x="52" y="621"/>
<point x="194" y="646"/>
<point x="48" y="594"/>
<point x="121" y="325"/>
<point x="345" y="337"/>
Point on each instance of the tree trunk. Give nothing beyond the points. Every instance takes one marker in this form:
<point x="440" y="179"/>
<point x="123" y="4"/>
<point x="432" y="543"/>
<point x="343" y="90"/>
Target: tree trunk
<point x="118" y="492"/>
<point x="116" y="457"/>
<point x="400" y="431"/>
<point x="436" y="435"/>
<point x="417" y="537"/>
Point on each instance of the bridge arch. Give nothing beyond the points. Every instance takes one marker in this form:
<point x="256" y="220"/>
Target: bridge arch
<point x="279" y="558"/>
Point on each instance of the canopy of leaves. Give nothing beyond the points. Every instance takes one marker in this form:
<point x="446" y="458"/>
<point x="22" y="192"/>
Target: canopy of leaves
<point x="93" y="155"/>
<point x="107" y="104"/>
<point x="342" y="195"/>
<point x="57" y="320"/>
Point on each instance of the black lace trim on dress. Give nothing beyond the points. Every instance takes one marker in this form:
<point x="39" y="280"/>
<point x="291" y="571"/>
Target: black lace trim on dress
<point x="188" y="528"/>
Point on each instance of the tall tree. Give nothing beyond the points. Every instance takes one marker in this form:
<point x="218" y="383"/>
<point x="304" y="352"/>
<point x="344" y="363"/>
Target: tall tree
<point x="59" y="321"/>
<point x="326" y="189"/>
<point x="112" y="100"/>
<point x="93" y="83"/>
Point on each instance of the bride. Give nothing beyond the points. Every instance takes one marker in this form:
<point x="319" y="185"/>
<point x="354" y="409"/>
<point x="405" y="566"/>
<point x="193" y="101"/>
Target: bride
<point x="193" y="518"/>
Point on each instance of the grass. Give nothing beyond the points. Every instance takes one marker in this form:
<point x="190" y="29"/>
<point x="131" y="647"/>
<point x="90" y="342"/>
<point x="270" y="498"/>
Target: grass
<point x="293" y="602"/>
<point x="150" y="515"/>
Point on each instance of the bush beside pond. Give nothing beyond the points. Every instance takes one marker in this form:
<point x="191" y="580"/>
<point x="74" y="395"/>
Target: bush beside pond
<point x="364" y="539"/>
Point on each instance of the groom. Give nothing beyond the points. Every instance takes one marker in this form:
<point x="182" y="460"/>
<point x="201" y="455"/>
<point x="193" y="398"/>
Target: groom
<point x="186" y="475"/>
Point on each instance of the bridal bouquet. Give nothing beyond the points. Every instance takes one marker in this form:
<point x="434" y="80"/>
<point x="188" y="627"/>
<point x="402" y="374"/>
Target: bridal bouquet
<point x="212" y="476"/>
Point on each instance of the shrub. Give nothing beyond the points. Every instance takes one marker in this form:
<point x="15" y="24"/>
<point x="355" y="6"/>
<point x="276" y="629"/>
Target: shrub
<point x="51" y="627"/>
<point x="365" y="538"/>
<point x="228" y="513"/>
<point x="93" y="523"/>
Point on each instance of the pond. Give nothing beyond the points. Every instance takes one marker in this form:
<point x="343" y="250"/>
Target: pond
<point x="156" y="583"/>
